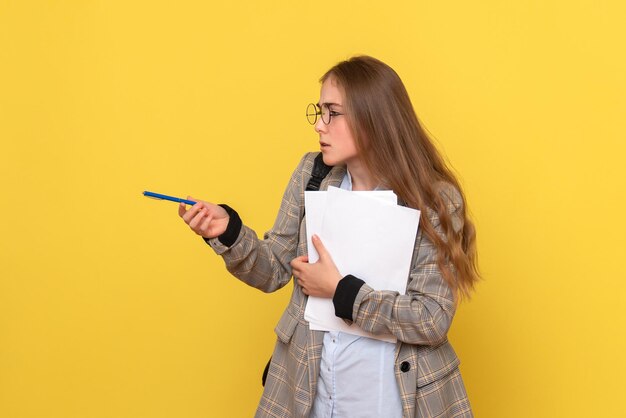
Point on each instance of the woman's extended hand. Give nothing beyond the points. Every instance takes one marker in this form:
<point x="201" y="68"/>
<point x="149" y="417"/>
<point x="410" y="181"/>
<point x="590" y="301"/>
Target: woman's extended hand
<point x="205" y="219"/>
<point x="318" y="279"/>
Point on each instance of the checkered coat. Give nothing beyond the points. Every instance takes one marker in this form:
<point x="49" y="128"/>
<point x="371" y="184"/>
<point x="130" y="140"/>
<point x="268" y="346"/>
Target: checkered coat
<point x="426" y="366"/>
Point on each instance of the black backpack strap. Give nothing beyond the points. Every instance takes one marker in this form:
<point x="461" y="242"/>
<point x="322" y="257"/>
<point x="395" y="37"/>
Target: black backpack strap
<point x="320" y="170"/>
<point x="267" y="369"/>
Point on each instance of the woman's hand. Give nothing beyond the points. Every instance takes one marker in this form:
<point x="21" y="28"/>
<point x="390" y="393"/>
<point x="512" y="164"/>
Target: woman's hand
<point x="318" y="279"/>
<point x="205" y="219"/>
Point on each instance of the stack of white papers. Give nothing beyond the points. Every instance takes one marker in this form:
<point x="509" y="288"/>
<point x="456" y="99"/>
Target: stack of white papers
<point x="367" y="235"/>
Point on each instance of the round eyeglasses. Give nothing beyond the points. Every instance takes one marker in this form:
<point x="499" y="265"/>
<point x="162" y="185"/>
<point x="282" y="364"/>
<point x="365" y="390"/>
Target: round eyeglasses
<point x="313" y="111"/>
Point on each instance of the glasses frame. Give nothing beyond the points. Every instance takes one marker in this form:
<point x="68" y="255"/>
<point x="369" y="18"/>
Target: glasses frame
<point x="313" y="111"/>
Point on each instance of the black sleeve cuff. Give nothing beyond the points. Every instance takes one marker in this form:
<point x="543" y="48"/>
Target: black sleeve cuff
<point x="233" y="228"/>
<point x="345" y="295"/>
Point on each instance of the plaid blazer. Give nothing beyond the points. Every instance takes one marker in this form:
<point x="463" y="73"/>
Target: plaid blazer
<point x="426" y="366"/>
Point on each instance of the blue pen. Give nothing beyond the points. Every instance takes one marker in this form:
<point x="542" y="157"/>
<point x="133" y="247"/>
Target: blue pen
<point x="166" y="197"/>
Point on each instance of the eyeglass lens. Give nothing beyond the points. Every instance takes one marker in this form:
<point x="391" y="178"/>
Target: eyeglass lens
<point x="313" y="111"/>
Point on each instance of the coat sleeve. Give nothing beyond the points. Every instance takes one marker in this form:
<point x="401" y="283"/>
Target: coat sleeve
<point x="421" y="316"/>
<point x="264" y="264"/>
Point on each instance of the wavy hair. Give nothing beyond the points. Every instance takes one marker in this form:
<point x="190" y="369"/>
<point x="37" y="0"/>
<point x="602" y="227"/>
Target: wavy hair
<point x="398" y="152"/>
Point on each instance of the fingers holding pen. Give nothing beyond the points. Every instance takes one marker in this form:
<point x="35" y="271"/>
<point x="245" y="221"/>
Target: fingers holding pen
<point x="194" y="216"/>
<point x="205" y="219"/>
<point x="205" y="226"/>
<point x="188" y="214"/>
<point x="182" y="209"/>
<point x="198" y="218"/>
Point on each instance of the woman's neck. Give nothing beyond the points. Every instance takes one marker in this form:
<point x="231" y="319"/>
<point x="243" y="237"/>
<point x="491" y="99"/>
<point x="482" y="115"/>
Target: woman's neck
<point x="361" y="178"/>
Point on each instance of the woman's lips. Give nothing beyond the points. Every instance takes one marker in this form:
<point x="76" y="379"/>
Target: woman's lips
<point x="324" y="144"/>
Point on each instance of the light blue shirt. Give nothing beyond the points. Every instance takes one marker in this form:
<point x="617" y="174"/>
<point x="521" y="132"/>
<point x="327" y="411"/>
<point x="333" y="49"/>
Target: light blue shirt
<point x="357" y="378"/>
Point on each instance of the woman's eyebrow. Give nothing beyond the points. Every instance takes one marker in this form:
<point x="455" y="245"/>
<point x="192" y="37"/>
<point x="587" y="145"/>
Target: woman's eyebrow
<point x="328" y="104"/>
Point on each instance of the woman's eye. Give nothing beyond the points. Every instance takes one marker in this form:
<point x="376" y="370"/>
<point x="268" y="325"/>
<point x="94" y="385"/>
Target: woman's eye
<point x="334" y="113"/>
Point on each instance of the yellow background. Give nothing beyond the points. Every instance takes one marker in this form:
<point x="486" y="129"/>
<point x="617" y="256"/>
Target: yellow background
<point x="111" y="307"/>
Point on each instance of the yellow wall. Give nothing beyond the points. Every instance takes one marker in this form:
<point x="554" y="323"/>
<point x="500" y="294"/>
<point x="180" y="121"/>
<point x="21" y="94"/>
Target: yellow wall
<point x="110" y="307"/>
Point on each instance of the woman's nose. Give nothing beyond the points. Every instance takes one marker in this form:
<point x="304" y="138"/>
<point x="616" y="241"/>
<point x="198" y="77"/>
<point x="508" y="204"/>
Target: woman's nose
<point x="320" y="126"/>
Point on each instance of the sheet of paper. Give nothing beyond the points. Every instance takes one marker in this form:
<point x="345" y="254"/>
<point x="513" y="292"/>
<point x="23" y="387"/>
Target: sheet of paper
<point x="369" y="238"/>
<point x="315" y="205"/>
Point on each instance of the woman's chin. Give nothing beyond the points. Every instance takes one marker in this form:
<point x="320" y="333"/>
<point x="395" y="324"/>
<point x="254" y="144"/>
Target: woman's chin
<point x="328" y="160"/>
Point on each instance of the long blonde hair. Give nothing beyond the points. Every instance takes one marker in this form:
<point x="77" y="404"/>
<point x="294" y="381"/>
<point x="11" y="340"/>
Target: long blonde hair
<point x="398" y="152"/>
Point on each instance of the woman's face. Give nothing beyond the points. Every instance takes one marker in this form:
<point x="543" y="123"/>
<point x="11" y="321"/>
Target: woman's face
<point x="336" y="140"/>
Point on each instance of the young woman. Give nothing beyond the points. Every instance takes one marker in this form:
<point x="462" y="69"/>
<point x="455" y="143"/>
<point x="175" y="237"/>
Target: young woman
<point x="370" y="135"/>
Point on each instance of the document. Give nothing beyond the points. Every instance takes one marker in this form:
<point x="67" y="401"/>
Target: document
<point x="369" y="236"/>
